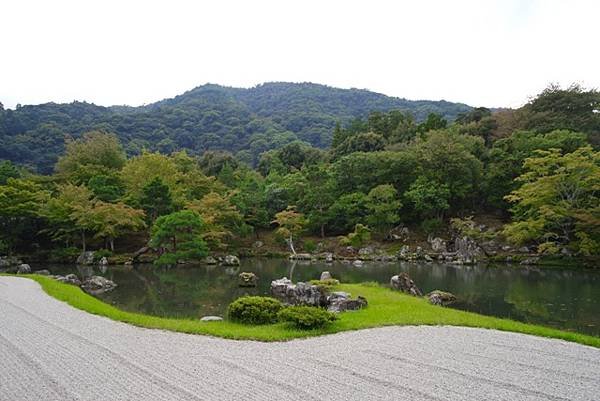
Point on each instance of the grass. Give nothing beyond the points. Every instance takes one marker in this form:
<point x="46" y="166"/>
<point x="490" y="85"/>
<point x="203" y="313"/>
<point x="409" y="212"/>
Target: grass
<point x="386" y="308"/>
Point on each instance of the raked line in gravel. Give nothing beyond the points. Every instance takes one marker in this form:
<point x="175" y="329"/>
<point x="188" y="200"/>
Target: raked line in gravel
<point x="51" y="351"/>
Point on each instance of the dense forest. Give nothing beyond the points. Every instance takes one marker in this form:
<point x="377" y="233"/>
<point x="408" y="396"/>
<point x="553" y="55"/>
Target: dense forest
<point x="537" y="168"/>
<point x="245" y="122"/>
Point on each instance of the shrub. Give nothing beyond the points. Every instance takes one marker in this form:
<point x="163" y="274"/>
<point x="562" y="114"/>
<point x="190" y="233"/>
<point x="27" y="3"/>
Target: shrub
<point x="102" y="253"/>
<point x="254" y="310"/>
<point x="360" y="236"/>
<point x="309" y="246"/>
<point x="64" y="255"/>
<point x="432" y="226"/>
<point x="306" y="317"/>
<point x="325" y="285"/>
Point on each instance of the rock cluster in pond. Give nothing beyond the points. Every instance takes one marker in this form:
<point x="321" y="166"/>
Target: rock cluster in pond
<point x="313" y="295"/>
<point x="230" y="260"/>
<point x="86" y="258"/>
<point x="97" y="285"/>
<point x="247" y="279"/>
<point x="403" y="282"/>
<point x="298" y="294"/>
<point x="443" y="298"/>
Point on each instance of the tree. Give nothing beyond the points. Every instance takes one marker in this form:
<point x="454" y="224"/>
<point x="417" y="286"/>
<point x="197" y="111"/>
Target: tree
<point x="347" y="211"/>
<point x="433" y="122"/>
<point x="156" y="199"/>
<point x="178" y="235"/>
<point x="383" y="206"/>
<point x="112" y="220"/>
<point x="291" y="224"/>
<point x="20" y="202"/>
<point x="8" y="170"/>
<point x="429" y="198"/>
<point x="221" y="218"/>
<point x="106" y="187"/>
<point x="557" y="202"/>
<point x="364" y="142"/>
<point x="95" y="153"/>
<point x="68" y="213"/>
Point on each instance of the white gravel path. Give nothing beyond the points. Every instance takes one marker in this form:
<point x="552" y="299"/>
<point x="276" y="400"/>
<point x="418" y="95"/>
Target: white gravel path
<point x="51" y="351"/>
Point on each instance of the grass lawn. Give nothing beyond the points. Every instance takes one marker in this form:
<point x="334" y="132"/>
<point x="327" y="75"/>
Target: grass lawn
<point x="386" y="307"/>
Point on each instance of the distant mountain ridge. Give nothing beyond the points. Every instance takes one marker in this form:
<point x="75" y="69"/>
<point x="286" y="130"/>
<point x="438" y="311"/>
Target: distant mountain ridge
<point x="209" y="117"/>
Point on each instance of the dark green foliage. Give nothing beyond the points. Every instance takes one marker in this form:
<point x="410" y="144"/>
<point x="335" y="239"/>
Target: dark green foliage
<point x="306" y="317"/>
<point x="156" y="199"/>
<point x="178" y="235"/>
<point x="106" y="187"/>
<point x="254" y="310"/>
<point x="8" y="170"/>
<point x="246" y="122"/>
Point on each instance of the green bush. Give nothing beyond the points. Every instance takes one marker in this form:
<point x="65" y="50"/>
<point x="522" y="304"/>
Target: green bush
<point x="64" y="255"/>
<point x="309" y="246"/>
<point x="325" y="285"/>
<point x="254" y="310"/>
<point x="102" y="253"/>
<point x="306" y="317"/>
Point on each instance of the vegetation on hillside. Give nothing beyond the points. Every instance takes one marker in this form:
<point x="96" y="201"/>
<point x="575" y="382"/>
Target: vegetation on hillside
<point x="536" y="167"/>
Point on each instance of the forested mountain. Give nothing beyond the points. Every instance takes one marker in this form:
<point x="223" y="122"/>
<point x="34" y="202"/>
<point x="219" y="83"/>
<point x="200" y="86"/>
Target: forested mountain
<point x="246" y="122"/>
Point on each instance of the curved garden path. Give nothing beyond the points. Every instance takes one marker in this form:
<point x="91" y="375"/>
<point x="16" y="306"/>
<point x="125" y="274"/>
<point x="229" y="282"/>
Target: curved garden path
<point x="51" y="351"/>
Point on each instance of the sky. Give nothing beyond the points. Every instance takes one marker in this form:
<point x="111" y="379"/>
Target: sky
<point x="483" y="53"/>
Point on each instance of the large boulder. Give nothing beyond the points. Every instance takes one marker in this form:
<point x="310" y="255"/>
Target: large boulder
<point x="340" y="302"/>
<point x="231" y="260"/>
<point x="23" y="268"/>
<point x="86" y="258"/>
<point x="209" y="260"/>
<point x="298" y="294"/>
<point x="403" y="282"/>
<point x="69" y="279"/>
<point x="97" y="285"/>
<point x="325" y="276"/>
<point x="443" y="298"/>
<point x="247" y="279"/>
<point x="438" y="245"/>
<point x="366" y="251"/>
<point x="467" y="250"/>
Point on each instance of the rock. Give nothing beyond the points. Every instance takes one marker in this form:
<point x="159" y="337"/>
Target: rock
<point x="86" y="258"/>
<point x="6" y="262"/>
<point x="211" y="319"/>
<point x="97" y="285"/>
<point x="209" y="260"/>
<point x="301" y="256"/>
<point x="530" y="261"/>
<point x="341" y="302"/>
<point x="438" y="245"/>
<point x="443" y="298"/>
<point x="42" y="272"/>
<point x="69" y="279"/>
<point x="419" y="252"/>
<point x="467" y="250"/>
<point x="231" y="260"/>
<point x="325" y="276"/>
<point x="524" y="249"/>
<point x="506" y="248"/>
<point x="358" y="263"/>
<point x="247" y="279"/>
<point x="403" y="282"/>
<point x="297" y="294"/>
<point x="23" y="269"/>
<point x="404" y="252"/>
<point x="427" y="258"/>
<point x="366" y="251"/>
<point x="141" y="251"/>
<point x="257" y="244"/>
<point x="103" y="261"/>
<point x="328" y="256"/>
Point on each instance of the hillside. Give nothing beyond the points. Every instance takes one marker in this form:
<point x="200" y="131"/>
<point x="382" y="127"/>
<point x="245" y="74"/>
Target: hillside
<point x="210" y="117"/>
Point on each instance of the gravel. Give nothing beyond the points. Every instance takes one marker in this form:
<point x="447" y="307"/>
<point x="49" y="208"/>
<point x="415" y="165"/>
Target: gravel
<point x="51" y="351"/>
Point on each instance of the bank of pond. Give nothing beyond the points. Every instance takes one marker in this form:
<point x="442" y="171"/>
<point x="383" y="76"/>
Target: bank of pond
<point x="561" y="298"/>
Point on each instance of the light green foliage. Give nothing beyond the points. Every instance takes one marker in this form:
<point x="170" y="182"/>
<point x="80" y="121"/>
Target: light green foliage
<point x="179" y="235"/>
<point x="360" y="236"/>
<point x="558" y="200"/>
<point x="383" y="207"/>
<point x="95" y="153"/>
<point x="306" y="317"/>
<point x="254" y="310"/>
<point x="112" y="220"/>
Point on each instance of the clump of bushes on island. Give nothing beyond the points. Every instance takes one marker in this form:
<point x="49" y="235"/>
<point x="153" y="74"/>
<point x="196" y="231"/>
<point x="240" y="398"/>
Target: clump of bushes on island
<point x="266" y="310"/>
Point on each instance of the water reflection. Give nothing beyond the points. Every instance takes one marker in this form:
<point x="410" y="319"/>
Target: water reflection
<point x="556" y="297"/>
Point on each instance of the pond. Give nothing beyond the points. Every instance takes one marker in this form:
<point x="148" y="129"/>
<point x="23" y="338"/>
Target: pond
<point x="563" y="298"/>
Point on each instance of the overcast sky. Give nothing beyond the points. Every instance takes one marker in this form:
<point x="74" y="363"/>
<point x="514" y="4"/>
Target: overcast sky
<point x="490" y="53"/>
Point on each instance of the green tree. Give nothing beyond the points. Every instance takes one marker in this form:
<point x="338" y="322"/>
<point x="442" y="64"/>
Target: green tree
<point x="95" y="153"/>
<point x="557" y="202"/>
<point x="429" y="198"/>
<point x="8" y="170"/>
<point x="113" y="220"/>
<point x="106" y="187"/>
<point x="291" y="224"/>
<point x="433" y="122"/>
<point x="383" y="206"/>
<point x="179" y="237"/>
<point x="156" y="199"/>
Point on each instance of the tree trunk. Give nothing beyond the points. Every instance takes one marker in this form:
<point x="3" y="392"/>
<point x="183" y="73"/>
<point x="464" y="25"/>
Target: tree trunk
<point x="83" y="240"/>
<point x="112" y="244"/>
<point x="323" y="231"/>
<point x="291" y="243"/>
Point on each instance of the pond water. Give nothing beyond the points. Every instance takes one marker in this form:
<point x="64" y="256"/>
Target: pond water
<point x="563" y="298"/>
